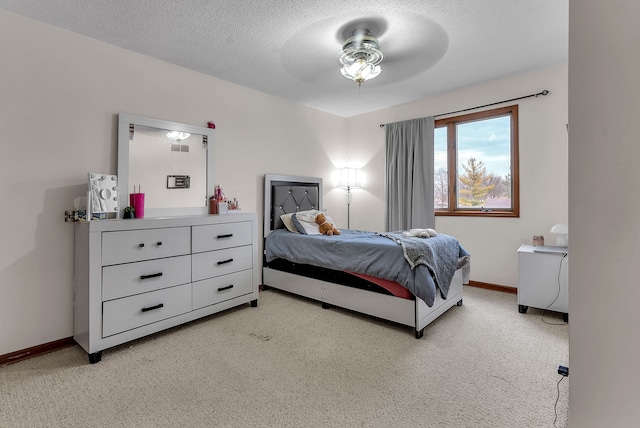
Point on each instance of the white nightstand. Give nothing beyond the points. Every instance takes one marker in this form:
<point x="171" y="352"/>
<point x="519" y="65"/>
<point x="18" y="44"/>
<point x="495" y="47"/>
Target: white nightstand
<point x="543" y="279"/>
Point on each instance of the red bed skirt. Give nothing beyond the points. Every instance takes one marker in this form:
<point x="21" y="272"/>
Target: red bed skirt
<point x="391" y="286"/>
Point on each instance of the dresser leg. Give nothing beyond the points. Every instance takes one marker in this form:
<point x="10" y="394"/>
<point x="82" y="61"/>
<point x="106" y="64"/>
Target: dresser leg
<point x="254" y="303"/>
<point x="565" y="317"/>
<point x="419" y="333"/>
<point x="95" y="357"/>
<point x="522" y="309"/>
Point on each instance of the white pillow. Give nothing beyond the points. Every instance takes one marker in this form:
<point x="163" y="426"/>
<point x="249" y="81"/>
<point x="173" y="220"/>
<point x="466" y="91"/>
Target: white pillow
<point x="305" y="226"/>
<point x="288" y="223"/>
<point x="305" y="222"/>
<point x="308" y="215"/>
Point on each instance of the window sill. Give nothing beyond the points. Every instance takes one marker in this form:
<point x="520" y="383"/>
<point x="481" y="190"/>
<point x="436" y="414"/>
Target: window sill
<point x="507" y="214"/>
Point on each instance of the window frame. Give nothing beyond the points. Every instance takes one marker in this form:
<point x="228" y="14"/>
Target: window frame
<point x="450" y="123"/>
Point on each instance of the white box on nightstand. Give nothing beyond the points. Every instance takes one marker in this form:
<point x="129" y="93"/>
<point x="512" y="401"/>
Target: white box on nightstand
<point x="543" y="279"/>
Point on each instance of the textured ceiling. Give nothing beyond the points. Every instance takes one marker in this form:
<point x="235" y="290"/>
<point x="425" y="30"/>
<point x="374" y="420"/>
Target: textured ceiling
<point x="289" y="48"/>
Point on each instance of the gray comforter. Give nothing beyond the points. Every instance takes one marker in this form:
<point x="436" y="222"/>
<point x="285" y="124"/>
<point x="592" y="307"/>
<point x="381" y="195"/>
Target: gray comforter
<point x="434" y="259"/>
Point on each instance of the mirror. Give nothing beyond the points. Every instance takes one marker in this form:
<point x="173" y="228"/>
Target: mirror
<point x="170" y="162"/>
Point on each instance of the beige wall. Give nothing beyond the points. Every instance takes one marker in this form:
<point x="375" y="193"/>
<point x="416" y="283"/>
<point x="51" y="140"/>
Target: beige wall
<point x="543" y="169"/>
<point x="604" y="213"/>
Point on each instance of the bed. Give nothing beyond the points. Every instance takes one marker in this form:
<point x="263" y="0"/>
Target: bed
<point x="382" y="282"/>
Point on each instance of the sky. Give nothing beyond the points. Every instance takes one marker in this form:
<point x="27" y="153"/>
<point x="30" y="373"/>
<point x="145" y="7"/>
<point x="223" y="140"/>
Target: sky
<point x="486" y="140"/>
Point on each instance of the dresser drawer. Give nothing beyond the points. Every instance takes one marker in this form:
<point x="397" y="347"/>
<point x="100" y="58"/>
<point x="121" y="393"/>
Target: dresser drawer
<point x="140" y="277"/>
<point x="146" y="244"/>
<point x="215" y="290"/>
<point x="135" y="311"/>
<point x="218" y="236"/>
<point x="221" y="262"/>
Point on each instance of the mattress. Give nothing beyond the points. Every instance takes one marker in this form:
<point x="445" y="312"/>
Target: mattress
<point x="369" y="253"/>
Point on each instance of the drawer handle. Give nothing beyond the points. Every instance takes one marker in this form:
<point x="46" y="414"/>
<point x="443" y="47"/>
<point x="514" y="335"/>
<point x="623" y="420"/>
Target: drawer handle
<point x="159" y="243"/>
<point x="150" y="308"/>
<point x="228" y="287"/>
<point x="228" y="235"/>
<point x="225" y="261"/>
<point x="153" y="275"/>
<point x="141" y="245"/>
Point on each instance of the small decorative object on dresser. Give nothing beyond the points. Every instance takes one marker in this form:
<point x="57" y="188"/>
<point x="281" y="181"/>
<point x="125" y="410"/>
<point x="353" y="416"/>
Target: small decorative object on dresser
<point x="128" y="212"/>
<point x="102" y="197"/>
<point x="134" y="278"/>
<point x="136" y="199"/>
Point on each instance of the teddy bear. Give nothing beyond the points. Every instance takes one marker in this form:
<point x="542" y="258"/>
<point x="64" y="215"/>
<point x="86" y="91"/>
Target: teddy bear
<point x="326" y="228"/>
<point x="421" y="233"/>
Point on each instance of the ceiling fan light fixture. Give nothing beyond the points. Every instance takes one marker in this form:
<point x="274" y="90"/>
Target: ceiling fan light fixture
<point x="360" y="57"/>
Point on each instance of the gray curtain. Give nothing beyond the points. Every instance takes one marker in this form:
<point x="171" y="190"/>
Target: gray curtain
<point x="409" y="181"/>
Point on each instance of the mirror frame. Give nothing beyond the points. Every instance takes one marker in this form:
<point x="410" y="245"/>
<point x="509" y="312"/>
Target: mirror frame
<point x="124" y="120"/>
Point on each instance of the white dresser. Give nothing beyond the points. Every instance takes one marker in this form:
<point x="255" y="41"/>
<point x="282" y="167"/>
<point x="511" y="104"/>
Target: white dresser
<point x="543" y="279"/>
<point x="137" y="277"/>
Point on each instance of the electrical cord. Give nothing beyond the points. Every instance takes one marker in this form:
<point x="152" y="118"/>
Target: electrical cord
<point x="557" y="295"/>
<point x="555" y="406"/>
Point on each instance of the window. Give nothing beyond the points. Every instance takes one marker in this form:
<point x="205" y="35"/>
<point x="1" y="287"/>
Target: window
<point x="477" y="152"/>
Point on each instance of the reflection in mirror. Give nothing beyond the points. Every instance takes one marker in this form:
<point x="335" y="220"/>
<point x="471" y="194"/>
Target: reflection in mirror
<point x="155" y="175"/>
<point x="167" y="161"/>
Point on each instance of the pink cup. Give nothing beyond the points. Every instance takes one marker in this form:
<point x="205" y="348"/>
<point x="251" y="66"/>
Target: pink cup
<point x="136" y="200"/>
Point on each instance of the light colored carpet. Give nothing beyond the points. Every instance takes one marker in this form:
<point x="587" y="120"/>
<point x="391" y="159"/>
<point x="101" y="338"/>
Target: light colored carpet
<point x="290" y="363"/>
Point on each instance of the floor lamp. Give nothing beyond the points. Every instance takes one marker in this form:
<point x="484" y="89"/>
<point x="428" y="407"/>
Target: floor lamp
<point x="349" y="178"/>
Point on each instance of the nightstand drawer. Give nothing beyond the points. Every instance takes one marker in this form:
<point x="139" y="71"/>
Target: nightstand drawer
<point x="221" y="262"/>
<point x="141" y="277"/>
<point x="218" y="236"/>
<point x="135" y="311"/>
<point x="221" y="288"/>
<point x="146" y="244"/>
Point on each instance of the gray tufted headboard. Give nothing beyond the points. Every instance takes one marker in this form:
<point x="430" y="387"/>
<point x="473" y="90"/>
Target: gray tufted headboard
<point x="286" y="194"/>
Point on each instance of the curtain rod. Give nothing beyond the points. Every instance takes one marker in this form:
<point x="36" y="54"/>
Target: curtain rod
<point x="543" y="93"/>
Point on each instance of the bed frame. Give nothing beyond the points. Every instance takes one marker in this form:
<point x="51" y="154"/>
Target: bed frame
<point x="285" y="194"/>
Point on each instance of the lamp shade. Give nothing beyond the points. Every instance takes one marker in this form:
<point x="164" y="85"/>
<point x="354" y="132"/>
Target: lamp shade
<point x="350" y="178"/>
<point x="562" y="234"/>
